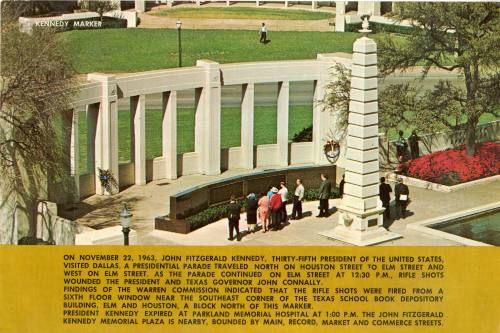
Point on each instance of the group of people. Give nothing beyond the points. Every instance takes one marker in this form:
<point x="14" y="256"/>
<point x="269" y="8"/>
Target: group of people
<point x="402" y="146"/>
<point x="402" y="196"/>
<point x="270" y="207"/>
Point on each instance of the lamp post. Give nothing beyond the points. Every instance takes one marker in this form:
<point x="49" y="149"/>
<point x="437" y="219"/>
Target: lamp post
<point x="125" y="221"/>
<point x="179" y="26"/>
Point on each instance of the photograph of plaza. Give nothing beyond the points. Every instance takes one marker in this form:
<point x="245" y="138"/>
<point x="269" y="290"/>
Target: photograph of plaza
<point x="267" y="123"/>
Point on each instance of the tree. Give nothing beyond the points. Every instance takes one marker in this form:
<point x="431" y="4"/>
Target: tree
<point x="100" y="6"/>
<point x="36" y="87"/>
<point x="336" y="99"/>
<point x="460" y="37"/>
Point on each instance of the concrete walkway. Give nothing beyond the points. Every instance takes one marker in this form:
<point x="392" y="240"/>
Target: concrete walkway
<point x="152" y="200"/>
<point x="151" y="21"/>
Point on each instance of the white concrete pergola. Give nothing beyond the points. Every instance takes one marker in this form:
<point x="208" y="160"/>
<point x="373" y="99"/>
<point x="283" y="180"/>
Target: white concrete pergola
<point x="100" y="98"/>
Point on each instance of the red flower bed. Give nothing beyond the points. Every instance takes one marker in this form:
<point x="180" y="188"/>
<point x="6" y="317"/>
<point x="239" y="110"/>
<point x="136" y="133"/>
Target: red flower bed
<point x="453" y="166"/>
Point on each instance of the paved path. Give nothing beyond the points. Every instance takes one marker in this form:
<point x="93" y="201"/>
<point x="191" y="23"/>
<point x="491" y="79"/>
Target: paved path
<point x="152" y="21"/>
<point x="152" y="200"/>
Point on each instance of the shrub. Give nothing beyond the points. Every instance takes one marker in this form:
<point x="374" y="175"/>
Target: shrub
<point x="218" y="212"/>
<point x="454" y="166"/>
<point x="211" y="214"/>
<point x="305" y="135"/>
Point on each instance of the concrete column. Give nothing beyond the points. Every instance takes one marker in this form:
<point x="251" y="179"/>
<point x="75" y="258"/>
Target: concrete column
<point x="106" y="138"/>
<point x="360" y="212"/>
<point x="170" y="3"/>
<point x="247" y="123"/>
<point x="92" y="115"/>
<point x="138" y="137"/>
<point x="198" y="3"/>
<point x="140" y="6"/>
<point x="282" y="128"/>
<point x="314" y="4"/>
<point x="207" y="127"/>
<point x="228" y="3"/>
<point x="340" y="16"/>
<point x="169" y="133"/>
<point x="286" y="4"/>
<point x="257" y="3"/>
<point x="320" y="123"/>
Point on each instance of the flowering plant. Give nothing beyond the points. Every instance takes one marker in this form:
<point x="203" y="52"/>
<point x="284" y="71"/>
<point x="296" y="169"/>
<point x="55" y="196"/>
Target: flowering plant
<point x="107" y="180"/>
<point x="332" y="150"/>
<point x="330" y="145"/>
<point x="454" y="166"/>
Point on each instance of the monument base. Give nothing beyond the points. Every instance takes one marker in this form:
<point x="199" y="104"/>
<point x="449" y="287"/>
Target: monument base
<point x="361" y="228"/>
<point x="367" y="237"/>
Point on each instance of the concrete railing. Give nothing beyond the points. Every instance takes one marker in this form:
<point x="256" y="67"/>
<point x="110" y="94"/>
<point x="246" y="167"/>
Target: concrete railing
<point x="101" y="93"/>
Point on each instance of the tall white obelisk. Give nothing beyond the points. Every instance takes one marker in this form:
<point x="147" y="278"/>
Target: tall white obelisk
<point x="360" y="212"/>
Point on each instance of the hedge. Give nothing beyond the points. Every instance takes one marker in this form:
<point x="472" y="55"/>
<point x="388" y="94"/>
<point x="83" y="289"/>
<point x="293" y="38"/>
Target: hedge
<point x="379" y="27"/>
<point x="218" y="212"/>
<point x="305" y="135"/>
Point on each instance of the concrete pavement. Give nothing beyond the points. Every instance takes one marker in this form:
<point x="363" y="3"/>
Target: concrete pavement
<point x="152" y="200"/>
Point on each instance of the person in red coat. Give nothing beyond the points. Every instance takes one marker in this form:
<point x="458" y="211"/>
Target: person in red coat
<point x="275" y="207"/>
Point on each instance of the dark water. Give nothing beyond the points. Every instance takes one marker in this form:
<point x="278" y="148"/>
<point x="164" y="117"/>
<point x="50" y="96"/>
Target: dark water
<point x="483" y="228"/>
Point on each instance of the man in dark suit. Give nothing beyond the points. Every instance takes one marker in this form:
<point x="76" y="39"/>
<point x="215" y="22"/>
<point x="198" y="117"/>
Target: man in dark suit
<point x="385" y="196"/>
<point x="341" y="187"/>
<point x="413" y="140"/>
<point x="402" y="194"/>
<point x="233" y="217"/>
<point x="324" y="194"/>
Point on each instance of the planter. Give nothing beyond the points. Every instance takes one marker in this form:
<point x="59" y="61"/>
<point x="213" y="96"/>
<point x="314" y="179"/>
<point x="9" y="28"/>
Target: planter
<point x="439" y="187"/>
<point x="164" y="223"/>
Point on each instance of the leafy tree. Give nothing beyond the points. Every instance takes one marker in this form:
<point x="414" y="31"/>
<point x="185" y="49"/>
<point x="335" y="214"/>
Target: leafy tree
<point x="100" y="6"/>
<point x="397" y="105"/>
<point x="460" y="37"/>
<point x="36" y="86"/>
<point x="336" y="99"/>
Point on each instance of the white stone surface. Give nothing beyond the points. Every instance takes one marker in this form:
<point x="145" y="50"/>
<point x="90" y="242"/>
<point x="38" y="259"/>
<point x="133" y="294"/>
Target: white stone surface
<point x="360" y="221"/>
<point x="363" y="120"/>
<point x="363" y="108"/>
<point x="247" y="125"/>
<point x="106" y="236"/>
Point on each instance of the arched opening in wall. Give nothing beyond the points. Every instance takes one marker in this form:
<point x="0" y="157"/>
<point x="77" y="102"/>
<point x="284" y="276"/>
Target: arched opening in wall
<point x="86" y="151"/>
<point x="265" y="113"/>
<point x="125" y="143"/>
<point x="230" y="134"/>
<point x="186" y="120"/>
<point x="83" y="143"/>
<point x="300" y="121"/>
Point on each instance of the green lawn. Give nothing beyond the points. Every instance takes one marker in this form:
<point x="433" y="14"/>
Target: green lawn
<point x="264" y="129"/>
<point x="243" y="13"/>
<point x="133" y="50"/>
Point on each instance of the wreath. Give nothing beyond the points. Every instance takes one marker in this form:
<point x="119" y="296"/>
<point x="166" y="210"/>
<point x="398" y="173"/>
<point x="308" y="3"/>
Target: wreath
<point x="331" y="150"/>
<point x="107" y="180"/>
